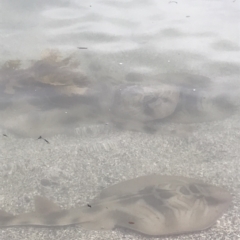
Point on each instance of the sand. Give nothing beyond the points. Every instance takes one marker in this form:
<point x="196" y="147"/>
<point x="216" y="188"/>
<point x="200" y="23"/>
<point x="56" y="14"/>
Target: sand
<point x="72" y="170"/>
<point x="126" y="41"/>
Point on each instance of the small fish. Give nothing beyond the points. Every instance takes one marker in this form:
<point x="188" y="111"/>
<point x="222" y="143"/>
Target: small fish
<point x="153" y="205"/>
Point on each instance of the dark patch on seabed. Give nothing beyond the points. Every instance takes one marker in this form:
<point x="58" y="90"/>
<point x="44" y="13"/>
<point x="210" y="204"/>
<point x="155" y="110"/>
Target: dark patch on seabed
<point x="54" y="95"/>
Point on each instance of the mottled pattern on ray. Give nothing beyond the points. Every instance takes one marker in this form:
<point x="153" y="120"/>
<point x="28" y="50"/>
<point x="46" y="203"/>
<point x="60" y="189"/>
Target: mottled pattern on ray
<point x="154" y="205"/>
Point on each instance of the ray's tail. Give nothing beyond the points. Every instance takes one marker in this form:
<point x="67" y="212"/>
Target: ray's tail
<point x="46" y="213"/>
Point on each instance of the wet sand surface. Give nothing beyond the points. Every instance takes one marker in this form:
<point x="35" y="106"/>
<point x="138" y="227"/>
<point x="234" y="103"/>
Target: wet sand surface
<point x="135" y="42"/>
<point x="71" y="171"/>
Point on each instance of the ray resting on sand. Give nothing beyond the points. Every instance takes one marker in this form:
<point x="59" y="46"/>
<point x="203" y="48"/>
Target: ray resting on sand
<point x="153" y="205"/>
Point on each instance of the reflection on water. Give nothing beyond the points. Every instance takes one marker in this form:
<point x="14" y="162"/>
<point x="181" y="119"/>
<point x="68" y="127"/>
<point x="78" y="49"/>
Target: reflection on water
<point x="53" y="96"/>
<point x="120" y="81"/>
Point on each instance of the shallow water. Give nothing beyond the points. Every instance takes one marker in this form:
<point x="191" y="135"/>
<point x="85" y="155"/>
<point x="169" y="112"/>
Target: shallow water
<point x="52" y="52"/>
<point x="63" y="47"/>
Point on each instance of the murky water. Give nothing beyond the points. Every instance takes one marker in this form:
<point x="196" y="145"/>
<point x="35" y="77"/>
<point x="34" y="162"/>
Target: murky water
<point x="107" y="68"/>
<point x="51" y="53"/>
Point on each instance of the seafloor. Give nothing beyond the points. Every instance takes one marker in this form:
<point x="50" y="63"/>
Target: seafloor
<point x="115" y="41"/>
<point x="72" y="170"/>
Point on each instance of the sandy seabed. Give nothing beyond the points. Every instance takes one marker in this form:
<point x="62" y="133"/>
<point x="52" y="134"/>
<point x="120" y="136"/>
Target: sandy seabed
<point x="72" y="170"/>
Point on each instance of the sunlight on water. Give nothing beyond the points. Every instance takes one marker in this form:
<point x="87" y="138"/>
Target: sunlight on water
<point x="94" y="93"/>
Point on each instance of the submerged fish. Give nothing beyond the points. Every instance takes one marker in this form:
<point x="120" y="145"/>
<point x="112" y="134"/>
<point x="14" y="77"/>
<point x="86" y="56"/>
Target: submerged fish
<point x="153" y="205"/>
